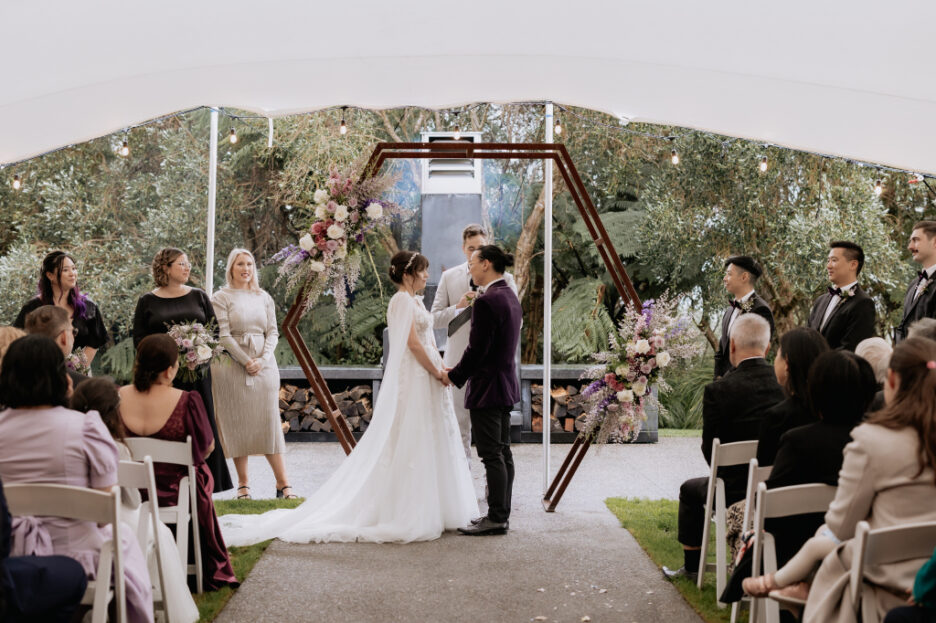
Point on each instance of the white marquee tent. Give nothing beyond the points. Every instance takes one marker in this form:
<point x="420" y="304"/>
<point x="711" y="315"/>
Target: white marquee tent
<point x="841" y="77"/>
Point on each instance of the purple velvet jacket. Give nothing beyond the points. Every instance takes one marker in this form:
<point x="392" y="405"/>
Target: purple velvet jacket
<point x="489" y="363"/>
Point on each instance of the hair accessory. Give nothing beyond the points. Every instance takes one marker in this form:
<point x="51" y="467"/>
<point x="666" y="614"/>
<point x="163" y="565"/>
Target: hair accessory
<point x="410" y="262"/>
<point x="931" y="364"/>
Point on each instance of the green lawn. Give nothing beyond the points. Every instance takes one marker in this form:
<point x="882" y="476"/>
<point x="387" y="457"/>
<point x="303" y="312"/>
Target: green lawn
<point x="242" y="558"/>
<point x="680" y="432"/>
<point x="653" y="524"/>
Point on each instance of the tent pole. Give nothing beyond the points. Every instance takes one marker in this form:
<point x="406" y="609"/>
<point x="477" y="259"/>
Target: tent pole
<point x="212" y="197"/>
<point x="547" y="299"/>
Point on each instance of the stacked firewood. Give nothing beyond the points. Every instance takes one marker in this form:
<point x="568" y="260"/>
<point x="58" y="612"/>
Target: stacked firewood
<point x="300" y="409"/>
<point x="567" y="412"/>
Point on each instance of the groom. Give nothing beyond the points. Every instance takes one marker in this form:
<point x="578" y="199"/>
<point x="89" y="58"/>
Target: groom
<point x="489" y="368"/>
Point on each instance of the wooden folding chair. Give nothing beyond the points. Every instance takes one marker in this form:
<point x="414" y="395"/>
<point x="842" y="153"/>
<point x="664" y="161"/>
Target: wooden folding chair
<point x="883" y="546"/>
<point x="186" y="509"/>
<point x="770" y="504"/>
<point x="139" y="475"/>
<point x="79" y="503"/>
<point x="756" y="475"/>
<point x="723" y="455"/>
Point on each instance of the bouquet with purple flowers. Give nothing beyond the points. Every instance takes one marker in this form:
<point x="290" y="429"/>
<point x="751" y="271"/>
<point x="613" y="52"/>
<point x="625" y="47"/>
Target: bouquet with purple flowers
<point x="77" y="362"/>
<point x="331" y="247"/>
<point x="646" y="341"/>
<point x="198" y="347"/>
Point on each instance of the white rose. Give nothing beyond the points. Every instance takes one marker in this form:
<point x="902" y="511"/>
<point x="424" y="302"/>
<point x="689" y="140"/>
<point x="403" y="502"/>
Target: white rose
<point x="625" y="395"/>
<point x="306" y="243"/>
<point x="341" y="213"/>
<point x="621" y="370"/>
<point x="321" y="196"/>
<point x="663" y="359"/>
<point x="203" y="353"/>
<point x="341" y="253"/>
<point x="335" y="231"/>
<point x="639" y="388"/>
<point x="316" y="266"/>
<point x="321" y="213"/>
<point x="642" y="347"/>
<point x="374" y="210"/>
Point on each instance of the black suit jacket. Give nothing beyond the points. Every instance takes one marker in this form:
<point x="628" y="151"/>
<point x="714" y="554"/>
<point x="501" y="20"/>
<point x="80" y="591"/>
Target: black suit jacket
<point x="489" y="365"/>
<point x="722" y="358"/>
<point x="778" y="420"/>
<point x="851" y="321"/>
<point x="923" y="307"/>
<point x="732" y="410"/>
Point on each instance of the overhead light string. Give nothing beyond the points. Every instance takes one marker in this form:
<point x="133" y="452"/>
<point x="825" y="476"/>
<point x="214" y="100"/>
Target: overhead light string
<point x="343" y="128"/>
<point x="457" y="135"/>
<point x="17" y="182"/>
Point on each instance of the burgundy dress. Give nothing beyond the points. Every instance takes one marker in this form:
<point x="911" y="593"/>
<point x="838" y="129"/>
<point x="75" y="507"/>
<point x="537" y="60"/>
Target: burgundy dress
<point x="189" y="419"/>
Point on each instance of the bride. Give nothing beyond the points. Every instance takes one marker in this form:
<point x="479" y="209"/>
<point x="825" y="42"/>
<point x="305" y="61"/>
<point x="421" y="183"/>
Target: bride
<point x="408" y="478"/>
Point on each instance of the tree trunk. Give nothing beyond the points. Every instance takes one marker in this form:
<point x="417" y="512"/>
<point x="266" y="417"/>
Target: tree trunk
<point x="526" y="244"/>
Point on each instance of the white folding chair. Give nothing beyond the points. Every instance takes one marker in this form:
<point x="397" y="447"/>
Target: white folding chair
<point x="770" y="504"/>
<point x="134" y="475"/>
<point x="756" y="475"/>
<point x="883" y="546"/>
<point x="186" y="508"/>
<point x="723" y="455"/>
<point x="79" y="503"/>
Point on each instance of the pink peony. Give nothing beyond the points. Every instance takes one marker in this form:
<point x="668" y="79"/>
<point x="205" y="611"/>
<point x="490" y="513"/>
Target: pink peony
<point x="646" y="368"/>
<point x="355" y="217"/>
<point x="331" y="206"/>
<point x="332" y="245"/>
<point x="318" y="227"/>
<point x="352" y="202"/>
<point x="630" y="376"/>
<point x="322" y="245"/>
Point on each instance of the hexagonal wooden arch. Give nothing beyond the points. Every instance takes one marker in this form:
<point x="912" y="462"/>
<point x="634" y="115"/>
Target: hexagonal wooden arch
<point x="485" y="151"/>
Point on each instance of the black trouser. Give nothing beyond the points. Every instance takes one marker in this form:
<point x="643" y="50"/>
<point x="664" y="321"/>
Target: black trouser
<point x="692" y="509"/>
<point x="490" y="428"/>
<point x="44" y="589"/>
<point x="911" y="614"/>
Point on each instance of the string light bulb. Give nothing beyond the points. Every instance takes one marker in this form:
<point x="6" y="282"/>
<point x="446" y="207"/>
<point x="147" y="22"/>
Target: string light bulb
<point x="233" y="135"/>
<point x="343" y="128"/>
<point x="17" y="182"/>
<point x="763" y="164"/>
<point x="878" y="188"/>
<point x="457" y="135"/>
<point x="558" y="128"/>
<point x="124" y="149"/>
<point x="674" y="157"/>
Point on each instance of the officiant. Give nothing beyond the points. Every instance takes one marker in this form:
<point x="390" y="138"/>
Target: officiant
<point x="451" y="310"/>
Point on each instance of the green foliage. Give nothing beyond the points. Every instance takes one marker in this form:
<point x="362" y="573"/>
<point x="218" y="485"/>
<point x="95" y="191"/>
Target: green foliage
<point x="581" y="322"/>
<point x="683" y="402"/>
<point x="117" y="362"/>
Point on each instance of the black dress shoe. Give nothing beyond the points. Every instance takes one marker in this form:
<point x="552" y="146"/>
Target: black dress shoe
<point x="477" y="520"/>
<point x="484" y="527"/>
<point x="672" y="574"/>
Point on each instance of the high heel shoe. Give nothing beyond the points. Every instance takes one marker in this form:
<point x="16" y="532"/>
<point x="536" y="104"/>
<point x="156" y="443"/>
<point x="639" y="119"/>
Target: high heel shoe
<point x="281" y="494"/>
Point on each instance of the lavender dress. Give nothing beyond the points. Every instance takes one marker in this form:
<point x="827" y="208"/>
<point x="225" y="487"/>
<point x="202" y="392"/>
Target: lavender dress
<point x="65" y="447"/>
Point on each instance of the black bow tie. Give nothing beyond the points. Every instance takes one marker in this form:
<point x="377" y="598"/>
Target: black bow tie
<point x="835" y="291"/>
<point x="923" y="275"/>
<point x="734" y="303"/>
<point x="472" y="284"/>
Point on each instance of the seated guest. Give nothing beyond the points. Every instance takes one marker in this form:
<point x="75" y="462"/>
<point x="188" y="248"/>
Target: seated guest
<point x="7" y="336"/>
<point x="36" y="588"/>
<point x="799" y="348"/>
<point x="732" y="410"/>
<point x="888" y="478"/>
<point x="877" y="352"/>
<point x="152" y="407"/>
<point x="43" y="442"/>
<point x="53" y="322"/>
<point x="100" y="394"/>
<point x="924" y="327"/>
<point x="922" y="598"/>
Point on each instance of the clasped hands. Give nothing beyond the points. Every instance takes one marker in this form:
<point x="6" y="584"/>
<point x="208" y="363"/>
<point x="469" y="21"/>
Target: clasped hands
<point x="254" y="366"/>
<point x="443" y="377"/>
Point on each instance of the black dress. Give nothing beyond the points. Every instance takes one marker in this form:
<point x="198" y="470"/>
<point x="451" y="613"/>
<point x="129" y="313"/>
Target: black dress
<point x="153" y="315"/>
<point x="91" y="331"/>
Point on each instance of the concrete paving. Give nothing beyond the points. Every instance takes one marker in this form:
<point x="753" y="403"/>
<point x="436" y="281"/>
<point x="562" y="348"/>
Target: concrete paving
<point x="577" y="562"/>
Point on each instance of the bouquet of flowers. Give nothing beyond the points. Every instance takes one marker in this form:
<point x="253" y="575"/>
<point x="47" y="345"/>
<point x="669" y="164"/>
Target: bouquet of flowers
<point x="646" y="341"/>
<point x="77" y="362"/>
<point x="330" y="250"/>
<point x="198" y="347"/>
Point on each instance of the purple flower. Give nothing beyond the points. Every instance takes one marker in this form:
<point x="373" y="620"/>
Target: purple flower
<point x="359" y="238"/>
<point x="191" y="356"/>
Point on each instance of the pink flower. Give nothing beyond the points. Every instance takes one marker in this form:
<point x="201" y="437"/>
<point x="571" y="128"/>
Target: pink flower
<point x="355" y="217"/>
<point x="630" y="376"/>
<point x="352" y="202"/>
<point x="322" y="245"/>
<point x="332" y="245"/>
<point x="331" y="206"/>
<point x="609" y="378"/>
<point x="318" y="227"/>
<point x="646" y="368"/>
<point x="348" y="184"/>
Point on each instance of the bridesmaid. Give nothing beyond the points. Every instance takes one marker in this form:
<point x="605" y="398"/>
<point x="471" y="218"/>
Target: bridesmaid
<point x="174" y="302"/>
<point x="58" y="285"/>
<point x="247" y="388"/>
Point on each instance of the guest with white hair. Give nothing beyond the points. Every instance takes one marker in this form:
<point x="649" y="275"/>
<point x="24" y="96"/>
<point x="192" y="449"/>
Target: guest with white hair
<point x="877" y="352"/>
<point x="924" y="327"/>
<point x="733" y="408"/>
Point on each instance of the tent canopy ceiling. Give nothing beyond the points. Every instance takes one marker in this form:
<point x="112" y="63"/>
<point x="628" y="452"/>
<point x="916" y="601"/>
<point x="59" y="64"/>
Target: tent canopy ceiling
<point x="840" y="77"/>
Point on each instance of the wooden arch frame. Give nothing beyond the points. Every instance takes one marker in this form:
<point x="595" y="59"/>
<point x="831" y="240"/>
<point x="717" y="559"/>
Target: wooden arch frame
<point x="485" y="151"/>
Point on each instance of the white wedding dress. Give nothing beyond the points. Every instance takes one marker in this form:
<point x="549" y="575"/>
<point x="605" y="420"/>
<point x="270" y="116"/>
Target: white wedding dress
<point x="406" y="480"/>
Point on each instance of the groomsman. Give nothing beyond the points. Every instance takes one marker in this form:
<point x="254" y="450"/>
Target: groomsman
<point x="741" y="274"/>
<point x="920" y="301"/>
<point x="845" y="314"/>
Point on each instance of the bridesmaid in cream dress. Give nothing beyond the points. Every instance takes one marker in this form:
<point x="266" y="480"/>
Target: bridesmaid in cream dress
<point x="246" y="385"/>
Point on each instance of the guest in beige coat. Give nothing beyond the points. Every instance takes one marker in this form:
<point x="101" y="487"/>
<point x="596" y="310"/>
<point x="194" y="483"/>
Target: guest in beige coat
<point x="887" y="479"/>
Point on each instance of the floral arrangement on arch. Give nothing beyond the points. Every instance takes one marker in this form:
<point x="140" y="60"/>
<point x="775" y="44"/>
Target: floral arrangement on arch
<point x="646" y="342"/>
<point x="198" y="347"/>
<point x="331" y="249"/>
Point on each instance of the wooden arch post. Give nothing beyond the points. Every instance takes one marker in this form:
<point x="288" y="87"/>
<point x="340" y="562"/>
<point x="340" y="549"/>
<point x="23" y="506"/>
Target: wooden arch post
<point x="471" y="151"/>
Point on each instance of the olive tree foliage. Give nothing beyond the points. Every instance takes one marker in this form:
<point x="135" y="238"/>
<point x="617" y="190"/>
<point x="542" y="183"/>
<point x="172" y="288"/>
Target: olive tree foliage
<point x="716" y="203"/>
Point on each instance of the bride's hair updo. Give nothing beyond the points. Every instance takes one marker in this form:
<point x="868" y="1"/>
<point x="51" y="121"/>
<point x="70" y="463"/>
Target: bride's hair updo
<point x="406" y="263"/>
<point x="498" y="258"/>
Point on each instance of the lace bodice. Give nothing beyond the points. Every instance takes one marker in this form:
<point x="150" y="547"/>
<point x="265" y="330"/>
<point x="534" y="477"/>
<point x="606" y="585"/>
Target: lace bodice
<point x="423" y="322"/>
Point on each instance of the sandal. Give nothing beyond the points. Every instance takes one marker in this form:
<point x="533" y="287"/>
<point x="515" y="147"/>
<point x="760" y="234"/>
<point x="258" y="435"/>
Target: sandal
<point x="245" y="495"/>
<point x="281" y="494"/>
<point x="794" y="594"/>
<point x="759" y="586"/>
